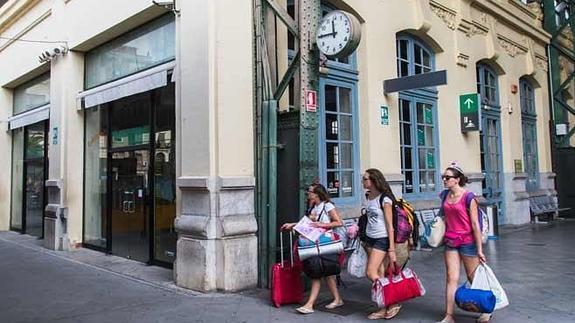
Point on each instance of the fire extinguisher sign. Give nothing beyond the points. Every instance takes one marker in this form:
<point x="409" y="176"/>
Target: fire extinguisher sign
<point x="311" y="101"/>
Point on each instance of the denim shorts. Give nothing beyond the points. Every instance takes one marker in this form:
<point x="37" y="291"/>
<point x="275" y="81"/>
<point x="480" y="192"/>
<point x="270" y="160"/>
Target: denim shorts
<point x="378" y="243"/>
<point x="468" y="250"/>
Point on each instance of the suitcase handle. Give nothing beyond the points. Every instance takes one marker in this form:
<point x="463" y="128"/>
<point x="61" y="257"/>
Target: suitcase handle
<point x="282" y="247"/>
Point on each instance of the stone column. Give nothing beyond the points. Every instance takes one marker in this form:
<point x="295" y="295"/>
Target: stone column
<point x="65" y="144"/>
<point x="65" y="151"/>
<point x="6" y="100"/>
<point x="217" y="244"/>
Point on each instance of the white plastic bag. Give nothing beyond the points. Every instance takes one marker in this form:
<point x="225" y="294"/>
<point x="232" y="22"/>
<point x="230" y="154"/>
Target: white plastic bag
<point x="485" y="279"/>
<point x="436" y="232"/>
<point x="357" y="262"/>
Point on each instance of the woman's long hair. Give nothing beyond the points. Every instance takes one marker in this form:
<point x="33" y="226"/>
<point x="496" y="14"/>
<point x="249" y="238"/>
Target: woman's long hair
<point x="380" y="183"/>
<point x="321" y="192"/>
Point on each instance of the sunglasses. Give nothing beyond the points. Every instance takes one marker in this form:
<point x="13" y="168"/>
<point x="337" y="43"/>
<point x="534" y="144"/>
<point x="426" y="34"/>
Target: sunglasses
<point x="447" y="177"/>
<point x="366" y="178"/>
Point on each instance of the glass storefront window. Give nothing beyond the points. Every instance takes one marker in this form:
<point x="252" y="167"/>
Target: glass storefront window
<point x="96" y="158"/>
<point x="165" y="235"/>
<point x="17" y="178"/>
<point x="140" y="49"/>
<point x="32" y="94"/>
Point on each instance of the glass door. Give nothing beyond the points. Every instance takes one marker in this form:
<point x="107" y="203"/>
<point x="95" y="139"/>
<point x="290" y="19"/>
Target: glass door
<point x="34" y="178"/>
<point x="130" y="185"/>
<point x="130" y="211"/>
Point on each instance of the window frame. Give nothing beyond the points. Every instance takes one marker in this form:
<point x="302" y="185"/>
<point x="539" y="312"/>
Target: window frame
<point x="21" y="89"/>
<point x="134" y="34"/>
<point x="425" y="96"/>
<point x="323" y="141"/>
<point x="529" y="124"/>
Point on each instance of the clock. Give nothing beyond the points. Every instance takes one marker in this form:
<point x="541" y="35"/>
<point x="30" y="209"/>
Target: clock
<point x="338" y="34"/>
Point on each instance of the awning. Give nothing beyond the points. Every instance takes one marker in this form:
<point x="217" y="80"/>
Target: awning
<point x="144" y="81"/>
<point x="29" y="117"/>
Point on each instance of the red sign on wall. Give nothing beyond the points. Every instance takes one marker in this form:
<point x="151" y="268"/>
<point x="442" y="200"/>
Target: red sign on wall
<point x="311" y="101"/>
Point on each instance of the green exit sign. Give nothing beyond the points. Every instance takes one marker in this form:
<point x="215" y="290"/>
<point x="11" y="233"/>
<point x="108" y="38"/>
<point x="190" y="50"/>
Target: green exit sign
<point x="470" y="112"/>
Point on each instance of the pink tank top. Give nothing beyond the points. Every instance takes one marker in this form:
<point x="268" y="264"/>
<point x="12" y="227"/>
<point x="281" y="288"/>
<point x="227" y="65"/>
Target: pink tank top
<point x="457" y="222"/>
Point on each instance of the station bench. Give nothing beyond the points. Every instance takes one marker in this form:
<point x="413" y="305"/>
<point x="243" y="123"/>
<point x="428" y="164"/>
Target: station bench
<point x="544" y="205"/>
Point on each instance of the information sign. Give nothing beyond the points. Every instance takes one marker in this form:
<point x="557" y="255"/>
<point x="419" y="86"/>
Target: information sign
<point x="470" y="112"/>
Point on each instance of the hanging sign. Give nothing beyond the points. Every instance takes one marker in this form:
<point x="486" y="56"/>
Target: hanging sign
<point x="311" y="101"/>
<point x="470" y="112"/>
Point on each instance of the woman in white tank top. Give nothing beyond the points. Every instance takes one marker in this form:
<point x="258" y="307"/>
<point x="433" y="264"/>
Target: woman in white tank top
<point x="380" y="238"/>
<point x="324" y="216"/>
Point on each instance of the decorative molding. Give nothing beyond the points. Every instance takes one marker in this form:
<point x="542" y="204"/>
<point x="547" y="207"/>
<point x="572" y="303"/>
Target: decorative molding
<point x="512" y="47"/>
<point x="35" y="23"/>
<point x="462" y="59"/>
<point x="537" y="13"/>
<point x="449" y="16"/>
<point x="541" y="62"/>
<point x="471" y="28"/>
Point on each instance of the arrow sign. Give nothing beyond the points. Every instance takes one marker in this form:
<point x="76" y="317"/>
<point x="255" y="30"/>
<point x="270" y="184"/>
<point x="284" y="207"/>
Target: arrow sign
<point x="470" y="112"/>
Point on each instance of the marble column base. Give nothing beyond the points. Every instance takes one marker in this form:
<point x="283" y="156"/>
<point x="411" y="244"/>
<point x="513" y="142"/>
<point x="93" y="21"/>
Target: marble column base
<point x="217" y="246"/>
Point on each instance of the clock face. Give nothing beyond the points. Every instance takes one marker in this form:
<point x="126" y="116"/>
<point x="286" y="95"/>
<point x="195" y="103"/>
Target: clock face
<point x="337" y="34"/>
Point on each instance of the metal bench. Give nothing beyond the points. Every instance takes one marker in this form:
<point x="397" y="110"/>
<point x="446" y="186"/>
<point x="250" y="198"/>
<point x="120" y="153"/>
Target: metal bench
<point x="544" y="205"/>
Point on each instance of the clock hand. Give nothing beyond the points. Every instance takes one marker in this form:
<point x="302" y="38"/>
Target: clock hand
<point x="333" y="29"/>
<point x="325" y="35"/>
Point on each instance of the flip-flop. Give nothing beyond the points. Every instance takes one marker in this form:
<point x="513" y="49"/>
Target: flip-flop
<point x="446" y="320"/>
<point x="304" y="310"/>
<point x="392" y="312"/>
<point x="333" y="305"/>
<point x="377" y="315"/>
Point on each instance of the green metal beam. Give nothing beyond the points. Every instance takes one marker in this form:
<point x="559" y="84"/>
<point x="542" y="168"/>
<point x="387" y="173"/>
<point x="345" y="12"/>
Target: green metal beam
<point x="555" y="50"/>
<point x="309" y="80"/>
<point x="285" y="17"/>
<point x="282" y="86"/>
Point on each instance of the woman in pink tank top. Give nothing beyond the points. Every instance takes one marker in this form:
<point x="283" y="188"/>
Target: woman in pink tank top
<point x="462" y="237"/>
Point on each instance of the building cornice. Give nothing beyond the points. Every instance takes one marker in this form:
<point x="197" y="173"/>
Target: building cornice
<point x="13" y="10"/>
<point x="503" y="12"/>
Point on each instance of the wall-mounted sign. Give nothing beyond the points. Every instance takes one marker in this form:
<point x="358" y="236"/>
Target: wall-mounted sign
<point x="413" y="82"/>
<point x="54" y="136"/>
<point x="518" y="165"/>
<point x="470" y="112"/>
<point x="384" y="115"/>
<point x="311" y="101"/>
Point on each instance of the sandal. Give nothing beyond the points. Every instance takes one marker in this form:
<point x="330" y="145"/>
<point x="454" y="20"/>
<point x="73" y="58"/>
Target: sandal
<point x="447" y="319"/>
<point x="304" y="310"/>
<point x="334" y="305"/>
<point x="392" y="311"/>
<point x="377" y="315"/>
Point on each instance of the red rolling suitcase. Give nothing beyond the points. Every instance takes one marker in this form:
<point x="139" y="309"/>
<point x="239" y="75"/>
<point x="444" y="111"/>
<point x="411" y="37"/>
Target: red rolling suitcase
<point x="286" y="284"/>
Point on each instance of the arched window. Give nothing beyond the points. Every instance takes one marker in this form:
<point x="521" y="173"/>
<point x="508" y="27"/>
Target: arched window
<point x="417" y="120"/>
<point x="529" y="128"/>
